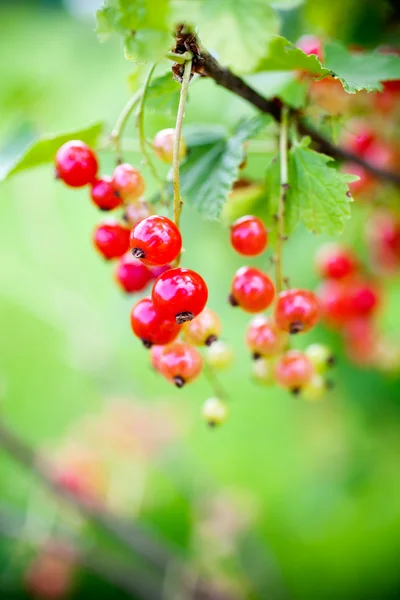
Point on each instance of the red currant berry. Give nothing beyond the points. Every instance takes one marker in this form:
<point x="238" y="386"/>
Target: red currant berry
<point x="151" y="327"/>
<point x="249" y="236"/>
<point x="180" y="294"/>
<point x="156" y="241"/>
<point x="293" y="371"/>
<point x="76" y="164"/>
<point x="383" y="234"/>
<point x="310" y="44"/>
<point x="297" y="311"/>
<point x="104" y="195"/>
<point x="361" y="341"/>
<point x="131" y="275"/>
<point x="365" y="182"/>
<point x="164" y="145"/>
<point x="263" y="337"/>
<point x="335" y="303"/>
<point x="204" y="329"/>
<point x="334" y="262"/>
<point x="137" y="212"/>
<point x="155" y="354"/>
<point x="361" y="141"/>
<point x="363" y="298"/>
<point x="157" y="271"/>
<point x="128" y="182"/>
<point x="252" y="290"/>
<point x="111" y="239"/>
<point x="180" y="363"/>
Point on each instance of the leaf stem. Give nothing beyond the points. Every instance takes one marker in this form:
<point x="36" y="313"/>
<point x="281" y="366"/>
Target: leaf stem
<point x="179" y="58"/>
<point x="122" y="120"/>
<point x="283" y="146"/>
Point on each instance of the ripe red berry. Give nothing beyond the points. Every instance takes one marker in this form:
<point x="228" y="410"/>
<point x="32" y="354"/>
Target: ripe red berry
<point x="76" y="164"/>
<point x="252" y="290"/>
<point x="180" y="294"/>
<point x="156" y="241"/>
<point x="164" y="145"/>
<point x="111" y="239"/>
<point x="180" y="363"/>
<point x="294" y="370"/>
<point x="249" y="236"/>
<point x="297" y="311"/>
<point x="363" y="298"/>
<point x="151" y="327"/>
<point x="128" y="182"/>
<point x="263" y="337"/>
<point x="136" y="212"/>
<point x="204" y="329"/>
<point x="335" y="303"/>
<point x="334" y="262"/>
<point x="361" y="141"/>
<point x="104" y="195"/>
<point x="383" y="235"/>
<point x="131" y="275"/>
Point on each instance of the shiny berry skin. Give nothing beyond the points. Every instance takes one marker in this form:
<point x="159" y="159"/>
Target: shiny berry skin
<point x="150" y="327"/>
<point x="262" y="371"/>
<point x="204" y="329"/>
<point x="334" y="262"/>
<point x="315" y="389"/>
<point x="180" y="294"/>
<point x="297" y="311"/>
<point x="104" y="195"/>
<point x="156" y="241"/>
<point x="76" y="164"/>
<point x="320" y="356"/>
<point x="128" y="182"/>
<point x="180" y="363"/>
<point x="131" y="275"/>
<point x="219" y="355"/>
<point x="294" y="370"/>
<point x="252" y="290"/>
<point x="249" y="236"/>
<point x="214" y="412"/>
<point x="111" y="239"/>
<point x="264" y="338"/>
<point x="163" y="145"/>
<point x="137" y="211"/>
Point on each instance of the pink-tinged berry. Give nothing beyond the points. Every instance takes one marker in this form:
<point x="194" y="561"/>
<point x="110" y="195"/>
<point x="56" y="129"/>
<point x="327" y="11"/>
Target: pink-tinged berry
<point x="363" y="297"/>
<point x="164" y="145"/>
<point x="310" y="44"/>
<point x="252" y="290"/>
<point x="128" y="182"/>
<point x="180" y="294"/>
<point x="151" y="327"/>
<point x="249" y="236"/>
<point x="103" y="194"/>
<point x="50" y="574"/>
<point x="383" y="235"/>
<point x="361" y="342"/>
<point x="365" y="182"/>
<point x="180" y="363"/>
<point x="111" y="239"/>
<point x="156" y="241"/>
<point x="263" y="337"/>
<point x="204" y="329"/>
<point x="76" y="164"/>
<point x="155" y="354"/>
<point x="131" y="275"/>
<point x="137" y="211"/>
<point x="297" y="311"/>
<point x="335" y="262"/>
<point x="335" y="303"/>
<point x="294" y="371"/>
<point x="157" y="271"/>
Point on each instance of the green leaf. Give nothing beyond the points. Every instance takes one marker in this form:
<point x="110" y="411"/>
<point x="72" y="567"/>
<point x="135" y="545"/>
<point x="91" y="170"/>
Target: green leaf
<point x="280" y="84"/>
<point x="282" y="55"/>
<point x="147" y="45"/>
<point x="163" y="94"/>
<point x="361" y="70"/>
<point x="43" y="150"/>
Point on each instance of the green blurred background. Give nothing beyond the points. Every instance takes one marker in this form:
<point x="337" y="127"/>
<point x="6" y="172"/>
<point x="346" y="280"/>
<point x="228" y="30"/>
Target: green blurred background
<point x="314" y="488"/>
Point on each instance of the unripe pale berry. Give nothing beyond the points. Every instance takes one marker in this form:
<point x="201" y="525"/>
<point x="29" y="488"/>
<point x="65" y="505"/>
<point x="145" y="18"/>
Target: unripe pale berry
<point x="315" y="389"/>
<point x="164" y="145"/>
<point x="335" y="262"/>
<point x="214" y="412"/>
<point x="262" y="371"/>
<point x="155" y="354"/>
<point x="204" y="329"/>
<point x="103" y="194"/>
<point x="320" y="356"/>
<point x="252" y="290"/>
<point x="76" y="164"/>
<point x="180" y="363"/>
<point x="294" y="370"/>
<point x="249" y="236"/>
<point x="151" y="327"/>
<point x="156" y="241"/>
<point x="128" y="182"/>
<point x="136" y="211"/>
<point x="131" y="275"/>
<point x="180" y="294"/>
<point x="111" y="239"/>
<point x="263" y="337"/>
<point x="297" y="311"/>
<point x="219" y="355"/>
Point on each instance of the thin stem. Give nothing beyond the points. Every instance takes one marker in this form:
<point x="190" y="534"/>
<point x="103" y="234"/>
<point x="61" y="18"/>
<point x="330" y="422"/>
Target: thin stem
<point x="179" y="58"/>
<point x="177" y="142"/>
<point x="122" y="120"/>
<point x="211" y="376"/>
<point x="283" y="143"/>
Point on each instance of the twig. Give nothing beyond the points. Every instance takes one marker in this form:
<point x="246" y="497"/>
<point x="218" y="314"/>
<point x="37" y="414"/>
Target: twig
<point x="283" y="142"/>
<point x="116" y="133"/>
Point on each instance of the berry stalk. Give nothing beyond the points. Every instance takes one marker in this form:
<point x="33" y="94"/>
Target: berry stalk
<point x="213" y="380"/>
<point x="283" y="143"/>
<point x="119" y="127"/>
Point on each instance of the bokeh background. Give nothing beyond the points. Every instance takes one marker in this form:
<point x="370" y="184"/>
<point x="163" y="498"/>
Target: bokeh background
<point x="290" y="500"/>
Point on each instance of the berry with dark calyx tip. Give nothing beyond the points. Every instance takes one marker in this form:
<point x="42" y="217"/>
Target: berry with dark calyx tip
<point x="111" y="239"/>
<point x="249" y="236"/>
<point x="263" y="338"/>
<point x="151" y="327"/>
<point x="180" y="363"/>
<point x="315" y="389"/>
<point x="103" y="194"/>
<point x="294" y="370"/>
<point x="163" y="145"/>
<point x="157" y="271"/>
<point x="320" y="356"/>
<point x="262" y="371"/>
<point x="137" y="211"/>
<point x="252" y="290"/>
<point x="297" y="311"/>
<point x="128" y="182"/>
<point x="76" y="164"/>
<point x="156" y="241"/>
<point x="204" y="329"/>
<point x="180" y="294"/>
<point x="131" y="275"/>
<point x="219" y="355"/>
<point x="214" y="412"/>
<point x="334" y="262"/>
